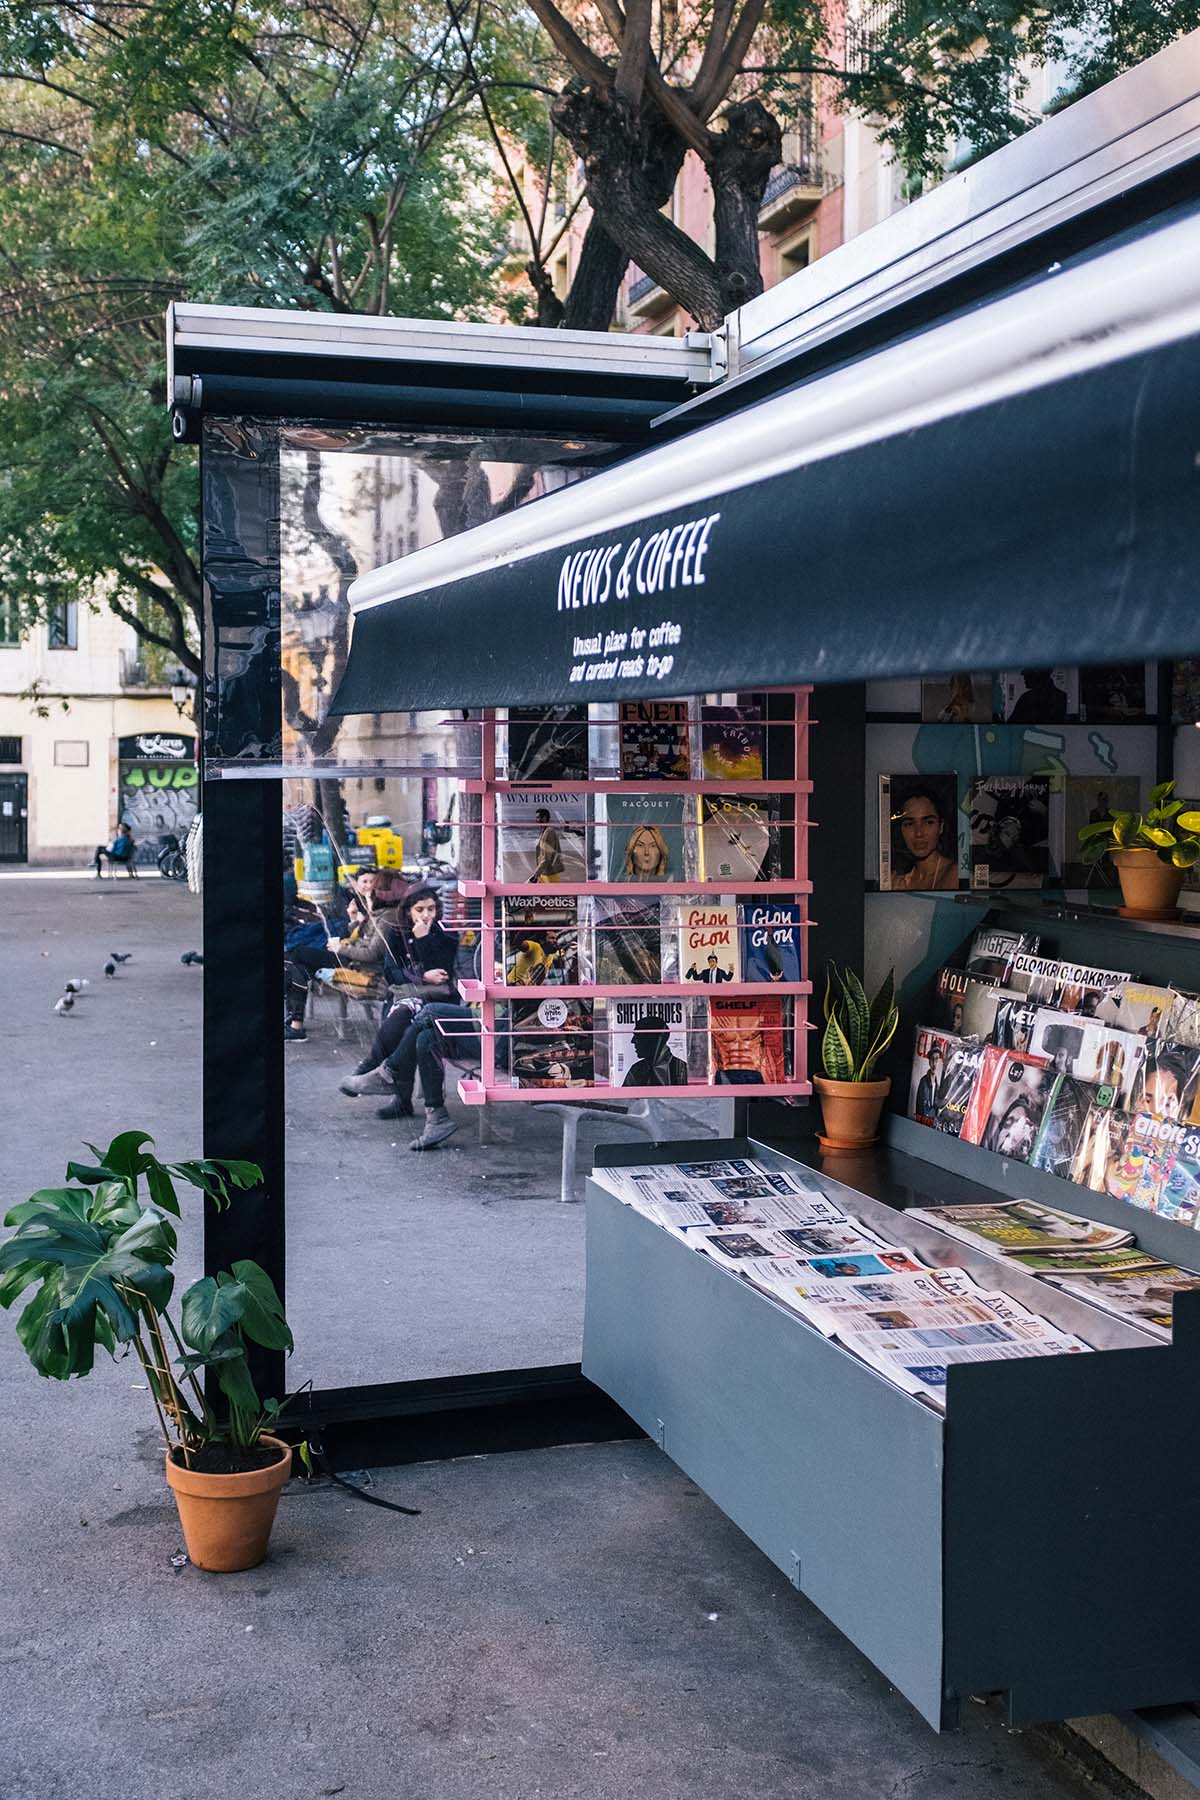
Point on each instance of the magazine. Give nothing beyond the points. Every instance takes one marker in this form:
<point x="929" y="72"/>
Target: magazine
<point x="1013" y="1021"/>
<point x="1018" y="1103"/>
<point x="1001" y="1073"/>
<point x="547" y="743"/>
<point x="1002" y="1226"/>
<point x="1179" y="1188"/>
<point x="1183" y="1026"/>
<point x="553" y="1043"/>
<point x="645" y="837"/>
<point x="1118" y="1155"/>
<point x="1010" y="830"/>
<point x="1144" y="1295"/>
<point x="627" y="932"/>
<point x="964" y="1059"/>
<point x="1062" y="1125"/>
<point x="542" y="836"/>
<point x="1069" y="987"/>
<point x="1082" y="1262"/>
<point x="541" y="940"/>
<point x="1169" y="1081"/>
<point x="1089" y="799"/>
<point x="1137" y="1006"/>
<point x="1038" y="696"/>
<point x="746" y="1041"/>
<point x="739" y="838"/>
<point x="655" y="740"/>
<point x="731" y="743"/>
<point x="1107" y="1059"/>
<point x="993" y="952"/>
<point x="928" y="1068"/>
<point x="949" y="999"/>
<point x="918" y="833"/>
<point x="957" y="699"/>
<point x="648" y="1042"/>
<point x="708" y="943"/>
<point x="770" y="942"/>
<point x="1114" y="694"/>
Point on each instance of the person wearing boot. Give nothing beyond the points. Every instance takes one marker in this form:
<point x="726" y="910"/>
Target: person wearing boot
<point x="422" y="1050"/>
<point x="366" y="946"/>
<point x="420" y="964"/>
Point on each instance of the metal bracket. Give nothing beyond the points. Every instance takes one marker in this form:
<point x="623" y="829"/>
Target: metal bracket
<point x="660" y="1434"/>
<point x="794" y="1570"/>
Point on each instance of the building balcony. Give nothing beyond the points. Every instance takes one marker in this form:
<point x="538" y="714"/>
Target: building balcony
<point x="136" y="675"/>
<point x="798" y="184"/>
<point x="645" y="298"/>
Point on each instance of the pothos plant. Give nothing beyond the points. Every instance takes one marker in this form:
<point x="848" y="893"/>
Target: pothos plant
<point x="99" y="1254"/>
<point x="1167" y="828"/>
<point x="857" y="1030"/>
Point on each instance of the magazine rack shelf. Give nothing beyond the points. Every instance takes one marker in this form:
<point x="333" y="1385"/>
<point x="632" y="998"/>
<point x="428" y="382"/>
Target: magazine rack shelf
<point x="1036" y="1540"/>
<point x="495" y="997"/>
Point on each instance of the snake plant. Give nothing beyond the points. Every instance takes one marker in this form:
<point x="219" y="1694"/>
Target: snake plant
<point x="857" y="1030"/>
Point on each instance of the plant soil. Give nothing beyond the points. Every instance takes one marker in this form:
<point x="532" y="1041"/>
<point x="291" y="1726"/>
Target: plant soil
<point x="228" y="1459"/>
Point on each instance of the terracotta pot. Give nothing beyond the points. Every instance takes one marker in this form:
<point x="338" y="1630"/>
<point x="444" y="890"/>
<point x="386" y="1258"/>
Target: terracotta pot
<point x="851" y="1111"/>
<point x="227" y="1519"/>
<point x="1149" y="888"/>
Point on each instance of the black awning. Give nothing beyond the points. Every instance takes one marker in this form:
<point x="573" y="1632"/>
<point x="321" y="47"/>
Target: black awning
<point x="1056" y="524"/>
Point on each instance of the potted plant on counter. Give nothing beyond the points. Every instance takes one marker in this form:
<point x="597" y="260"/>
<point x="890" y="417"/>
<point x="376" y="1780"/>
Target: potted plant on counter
<point x="98" y="1256"/>
<point x="857" y="1032"/>
<point x="1151" y="851"/>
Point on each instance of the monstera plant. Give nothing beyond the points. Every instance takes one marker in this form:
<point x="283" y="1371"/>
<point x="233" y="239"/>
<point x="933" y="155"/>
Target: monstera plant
<point x="857" y="1032"/>
<point x="98" y="1254"/>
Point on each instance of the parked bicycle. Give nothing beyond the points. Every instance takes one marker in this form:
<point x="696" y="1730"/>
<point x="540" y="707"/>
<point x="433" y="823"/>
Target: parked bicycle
<point x="172" y="863"/>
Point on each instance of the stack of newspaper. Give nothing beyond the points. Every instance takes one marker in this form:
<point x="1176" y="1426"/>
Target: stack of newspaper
<point x="784" y="1234"/>
<point x="1095" y="1262"/>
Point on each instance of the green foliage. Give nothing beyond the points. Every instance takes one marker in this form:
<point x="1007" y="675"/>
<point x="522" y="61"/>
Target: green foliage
<point x="857" y="1030"/>
<point x="100" y="1257"/>
<point x="1166" y="828"/>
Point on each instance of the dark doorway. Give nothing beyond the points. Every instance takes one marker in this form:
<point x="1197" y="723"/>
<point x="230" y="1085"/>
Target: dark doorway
<point x="14" y="821"/>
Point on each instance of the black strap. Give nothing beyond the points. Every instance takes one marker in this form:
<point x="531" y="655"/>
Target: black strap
<point x="414" y="1512"/>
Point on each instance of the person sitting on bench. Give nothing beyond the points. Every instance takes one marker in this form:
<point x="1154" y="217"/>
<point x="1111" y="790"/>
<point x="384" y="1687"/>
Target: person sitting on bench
<point x="120" y="851"/>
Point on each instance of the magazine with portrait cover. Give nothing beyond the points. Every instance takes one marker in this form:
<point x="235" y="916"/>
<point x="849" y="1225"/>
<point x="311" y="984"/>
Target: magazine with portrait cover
<point x="1179" y="1189"/>
<point x="655" y="740"/>
<point x="1118" y="1155"/>
<point x="1109" y="1060"/>
<point x="547" y="743"/>
<point x="552" y="1043"/>
<point x="993" y="952"/>
<point x="645" y="838"/>
<point x="964" y="1059"/>
<point x="918" y="833"/>
<point x="541" y="940"/>
<point x="739" y="838"/>
<point x="969" y="1005"/>
<point x="655" y="1043"/>
<point x="1138" y="1006"/>
<point x="1169" y="1081"/>
<point x="1018" y="1103"/>
<point x="1037" y="696"/>
<point x="957" y="699"/>
<point x="1010" y="830"/>
<point x="930" y="1052"/>
<point x="708" y="942"/>
<point x="1088" y="800"/>
<point x="1069" y="987"/>
<point x="731" y="743"/>
<point x="627" y="938"/>
<point x="1003" y="1226"/>
<point x="1062" y="1124"/>
<point x="1000" y="1072"/>
<point x="1013" y="1021"/>
<point x="1112" y="694"/>
<point x="542" y="836"/>
<point x="746" y="1041"/>
<point x="770" y="940"/>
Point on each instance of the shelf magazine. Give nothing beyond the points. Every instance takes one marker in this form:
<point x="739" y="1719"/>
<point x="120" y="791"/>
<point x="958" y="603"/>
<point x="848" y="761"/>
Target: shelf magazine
<point x="731" y="742"/>
<point x="1010" y="830"/>
<point x="627" y="934"/>
<point x="553" y="1043"/>
<point x="542" y="836"/>
<point x="541" y="941"/>
<point x="918" y="833"/>
<point x="655" y="740"/>
<point x="708" y="943"/>
<point x="649" y="1043"/>
<point x="547" y="743"/>
<point x="770" y="940"/>
<point x="739" y="838"/>
<point x="645" y="837"/>
<point x="746" y="1041"/>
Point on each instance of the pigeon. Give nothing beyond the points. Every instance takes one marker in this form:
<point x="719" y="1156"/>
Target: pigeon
<point x="63" y="1005"/>
<point x="192" y="956"/>
<point x="120" y="956"/>
<point x="77" y="983"/>
<point x="110" y="969"/>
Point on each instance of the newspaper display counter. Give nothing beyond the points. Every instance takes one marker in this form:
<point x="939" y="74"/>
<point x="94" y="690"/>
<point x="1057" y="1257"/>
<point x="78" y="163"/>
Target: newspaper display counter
<point x="1037" y="1540"/>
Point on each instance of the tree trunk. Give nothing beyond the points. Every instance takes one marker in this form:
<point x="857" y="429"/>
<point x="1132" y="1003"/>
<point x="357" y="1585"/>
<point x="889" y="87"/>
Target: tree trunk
<point x="592" y="300"/>
<point x="627" y="158"/>
<point x="747" y="150"/>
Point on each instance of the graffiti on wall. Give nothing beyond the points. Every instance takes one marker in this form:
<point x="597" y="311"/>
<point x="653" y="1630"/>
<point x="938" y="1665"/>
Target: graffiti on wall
<point x="157" y="798"/>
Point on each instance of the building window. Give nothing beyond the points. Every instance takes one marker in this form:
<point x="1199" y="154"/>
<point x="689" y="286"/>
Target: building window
<point x="795" y="254"/>
<point x="71" y="753"/>
<point x="62" y="626"/>
<point x="10" y="749"/>
<point x="10" y="625"/>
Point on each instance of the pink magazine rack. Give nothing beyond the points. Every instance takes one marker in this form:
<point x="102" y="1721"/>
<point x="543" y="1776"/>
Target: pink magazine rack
<point x="490" y="993"/>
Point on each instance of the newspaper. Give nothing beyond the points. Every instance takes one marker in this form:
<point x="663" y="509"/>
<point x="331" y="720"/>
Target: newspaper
<point x="1004" y="1226"/>
<point x="923" y="1373"/>
<point x="736" y="1248"/>
<point x="1144" y="1295"/>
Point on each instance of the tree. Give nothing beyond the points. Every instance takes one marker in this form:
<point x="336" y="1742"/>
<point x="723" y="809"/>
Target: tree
<point x="319" y="156"/>
<point x="634" y="85"/>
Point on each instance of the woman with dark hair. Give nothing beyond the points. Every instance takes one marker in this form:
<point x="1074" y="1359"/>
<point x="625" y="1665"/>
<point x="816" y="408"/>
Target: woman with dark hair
<point x="924" y="837"/>
<point x="419" y="961"/>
